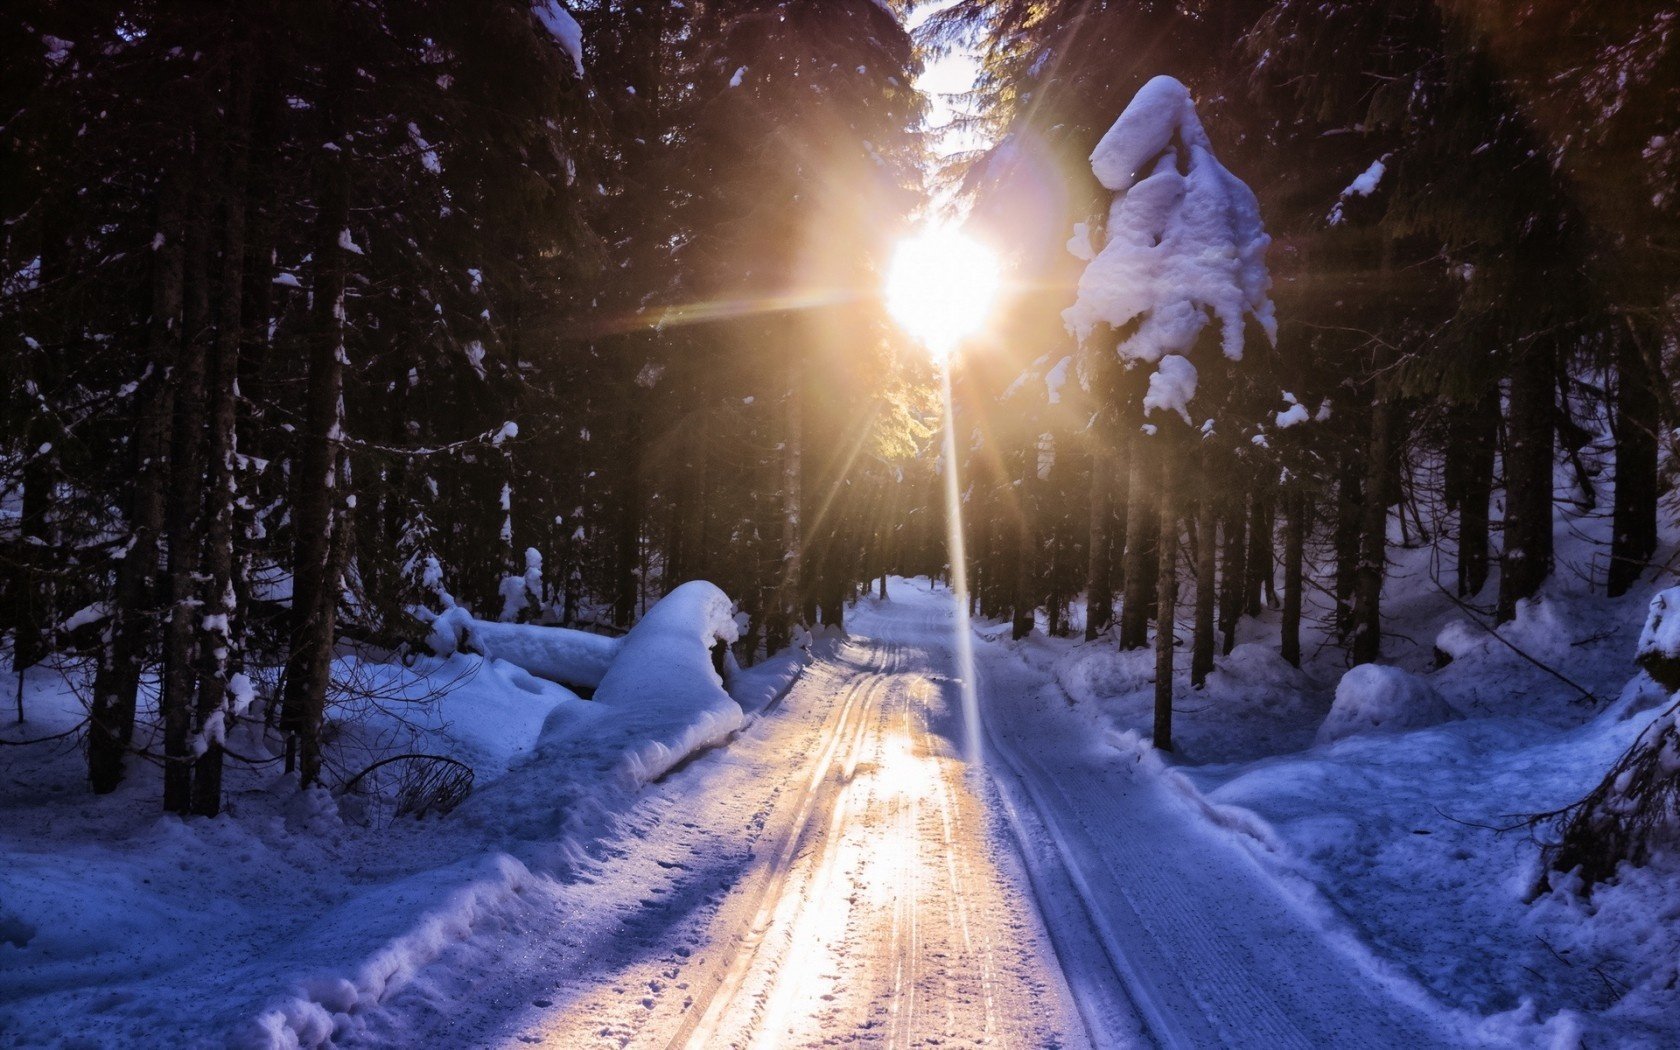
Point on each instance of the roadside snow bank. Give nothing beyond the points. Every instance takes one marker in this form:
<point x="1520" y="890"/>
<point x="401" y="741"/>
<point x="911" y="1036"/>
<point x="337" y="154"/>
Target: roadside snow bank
<point x="574" y="658"/>
<point x="1373" y="698"/>
<point x="659" y="702"/>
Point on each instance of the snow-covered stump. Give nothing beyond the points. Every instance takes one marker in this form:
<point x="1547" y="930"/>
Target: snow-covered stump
<point x="1634" y="812"/>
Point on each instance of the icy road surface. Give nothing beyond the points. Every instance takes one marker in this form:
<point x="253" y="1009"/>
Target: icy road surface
<point x="838" y="875"/>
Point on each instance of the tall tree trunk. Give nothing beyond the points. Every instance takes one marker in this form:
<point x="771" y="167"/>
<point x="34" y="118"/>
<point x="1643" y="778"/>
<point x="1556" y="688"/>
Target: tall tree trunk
<point x="627" y="521"/>
<point x="1023" y="599"/>
<point x="1373" y="535"/>
<point x="1207" y="560"/>
<point x="216" y="625"/>
<point x="1529" y="437"/>
<point x="1260" y="553"/>
<point x="1294" y="545"/>
<point x="315" y="484"/>
<point x="1633" y="534"/>
<point x="1474" y="452"/>
<point x="1235" y="571"/>
<point x="186" y="502"/>
<point x="1166" y="590"/>
<point x="117" y="680"/>
<point x="1350" y="511"/>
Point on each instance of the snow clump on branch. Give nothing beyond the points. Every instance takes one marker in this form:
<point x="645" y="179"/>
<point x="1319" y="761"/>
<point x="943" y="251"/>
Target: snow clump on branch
<point x="1185" y="244"/>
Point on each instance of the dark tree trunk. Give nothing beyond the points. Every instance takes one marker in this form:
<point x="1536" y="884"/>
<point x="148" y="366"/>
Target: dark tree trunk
<point x="1235" y="569"/>
<point x="1143" y="479"/>
<point x="117" y="681"/>
<point x="216" y="637"/>
<point x="1473" y="450"/>
<point x="1166" y="594"/>
<point x="1294" y="545"/>
<point x="627" y="522"/>
<point x="314" y="485"/>
<point x="1373" y="536"/>
<point x="186" y="502"/>
<point x="1260" y="553"/>
<point x="1530" y="428"/>
<point x="1207" y="560"/>
<point x="1350" y="511"/>
<point x="1633" y="535"/>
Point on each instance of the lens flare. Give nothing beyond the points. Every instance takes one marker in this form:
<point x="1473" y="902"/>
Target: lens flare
<point x="940" y="287"/>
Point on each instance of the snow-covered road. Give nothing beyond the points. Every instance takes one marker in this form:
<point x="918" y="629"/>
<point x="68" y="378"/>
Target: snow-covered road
<point x="838" y="874"/>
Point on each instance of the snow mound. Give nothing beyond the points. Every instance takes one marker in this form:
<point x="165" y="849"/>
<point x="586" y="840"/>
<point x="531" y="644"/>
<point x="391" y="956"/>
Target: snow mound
<point x="1458" y="639"/>
<point x="1372" y="698"/>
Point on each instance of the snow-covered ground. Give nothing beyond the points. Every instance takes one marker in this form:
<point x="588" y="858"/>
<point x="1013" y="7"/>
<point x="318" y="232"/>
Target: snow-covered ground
<point x="837" y="871"/>
<point x="292" y="917"/>
<point x="1413" y="833"/>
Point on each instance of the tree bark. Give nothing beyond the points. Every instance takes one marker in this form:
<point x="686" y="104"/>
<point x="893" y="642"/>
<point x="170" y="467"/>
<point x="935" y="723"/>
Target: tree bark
<point x="1207" y="551"/>
<point x="1633" y="534"/>
<point x="1529" y="437"/>
<point x="216" y="635"/>
<point x="1373" y="536"/>
<point x="1166" y="594"/>
<point x="1260" y="553"/>
<point x="315" y="484"/>
<point x="1474" y="452"/>
<point x="1235" y="571"/>
<point x="117" y="680"/>
<point x="1294" y="545"/>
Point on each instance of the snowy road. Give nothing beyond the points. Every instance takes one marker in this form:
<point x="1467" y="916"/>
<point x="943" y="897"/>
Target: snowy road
<point x="837" y="874"/>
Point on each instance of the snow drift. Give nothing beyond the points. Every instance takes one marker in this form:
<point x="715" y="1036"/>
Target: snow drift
<point x="1372" y="698"/>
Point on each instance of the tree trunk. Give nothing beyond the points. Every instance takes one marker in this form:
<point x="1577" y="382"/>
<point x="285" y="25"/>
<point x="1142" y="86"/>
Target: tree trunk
<point x="1235" y="572"/>
<point x="1350" y="511"/>
<point x="1474" y="452"/>
<point x="1529" y="431"/>
<point x="1373" y="536"/>
<point x="1141" y="541"/>
<point x="1633" y="534"/>
<point x="1260" y="553"/>
<point x="186" y="502"/>
<point x="314" y="484"/>
<point x="627" y="521"/>
<point x="1207" y="550"/>
<point x="1294" y="544"/>
<point x="216" y="625"/>
<point x="1166" y="593"/>
<point x="117" y="680"/>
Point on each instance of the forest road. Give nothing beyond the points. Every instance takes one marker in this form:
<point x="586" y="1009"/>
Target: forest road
<point x="838" y="874"/>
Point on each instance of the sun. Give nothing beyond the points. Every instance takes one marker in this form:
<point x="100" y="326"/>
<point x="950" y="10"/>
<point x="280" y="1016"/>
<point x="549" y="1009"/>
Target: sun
<point x="940" y="287"/>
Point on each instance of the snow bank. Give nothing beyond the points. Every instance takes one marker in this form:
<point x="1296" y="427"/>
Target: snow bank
<point x="1372" y="698"/>
<point x="574" y="658"/>
<point x="659" y="702"/>
<point x="664" y="674"/>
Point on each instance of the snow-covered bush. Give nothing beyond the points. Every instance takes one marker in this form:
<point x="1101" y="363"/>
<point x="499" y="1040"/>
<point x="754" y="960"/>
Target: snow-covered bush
<point x="1373" y="698"/>
<point x="1634" y="812"/>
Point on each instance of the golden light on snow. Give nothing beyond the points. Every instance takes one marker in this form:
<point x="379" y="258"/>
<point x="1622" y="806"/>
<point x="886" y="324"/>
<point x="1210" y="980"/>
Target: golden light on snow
<point x="941" y="286"/>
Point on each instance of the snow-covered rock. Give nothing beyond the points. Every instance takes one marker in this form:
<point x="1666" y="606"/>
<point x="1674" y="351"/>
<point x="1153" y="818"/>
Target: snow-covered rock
<point x="1659" y="643"/>
<point x="1373" y="698"/>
